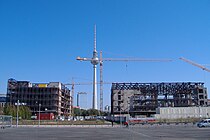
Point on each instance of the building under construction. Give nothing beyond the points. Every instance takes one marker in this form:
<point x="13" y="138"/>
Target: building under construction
<point x="51" y="97"/>
<point x="144" y="98"/>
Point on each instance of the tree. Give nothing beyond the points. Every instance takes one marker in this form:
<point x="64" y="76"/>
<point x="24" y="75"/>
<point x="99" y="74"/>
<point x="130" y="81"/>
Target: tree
<point x="84" y="112"/>
<point x="10" y="110"/>
<point x="24" y="111"/>
<point x="1" y="110"/>
<point x="102" y="113"/>
<point x="89" y="112"/>
<point x="93" y="112"/>
<point x="28" y="113"/>
<point x="77" y="112"/>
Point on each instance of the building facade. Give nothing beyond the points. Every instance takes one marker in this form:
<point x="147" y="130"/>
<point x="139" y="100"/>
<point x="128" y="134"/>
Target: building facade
<point x="51" y="97"/>
<point x="144" y="98"/>
<point x="2" y="100"/>
<point x="182" y="112"/>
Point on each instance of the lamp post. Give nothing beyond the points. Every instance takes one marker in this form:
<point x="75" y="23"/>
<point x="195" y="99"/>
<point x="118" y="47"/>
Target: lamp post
<point x="39" y="113"/>
<point x="128" y="103"/>
<point x="17" y="113"/>
<point x="120" y="116"/>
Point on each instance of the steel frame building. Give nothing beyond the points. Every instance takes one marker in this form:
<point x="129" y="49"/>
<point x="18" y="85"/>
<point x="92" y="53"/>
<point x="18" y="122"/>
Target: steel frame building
<point x="2" y="100"/>
<point x="51" y="97"/>
<point x="144" y="98"/>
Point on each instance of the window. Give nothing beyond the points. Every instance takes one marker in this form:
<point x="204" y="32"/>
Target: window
<point x="119" y="97"/>
<point x="200" y="90"/>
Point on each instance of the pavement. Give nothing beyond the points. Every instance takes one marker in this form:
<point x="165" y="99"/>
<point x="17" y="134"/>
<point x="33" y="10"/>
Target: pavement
<point x="137" y="132"/>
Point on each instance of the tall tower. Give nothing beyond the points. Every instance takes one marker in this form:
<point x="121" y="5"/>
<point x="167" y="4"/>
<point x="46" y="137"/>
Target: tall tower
<point x="94" y="61"/>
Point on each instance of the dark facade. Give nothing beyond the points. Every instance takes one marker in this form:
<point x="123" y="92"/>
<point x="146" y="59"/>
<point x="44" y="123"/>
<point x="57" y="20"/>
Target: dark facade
<point x="144" y="98"/>
<point x="51" y="97"/>
<point x="2" y="100"/>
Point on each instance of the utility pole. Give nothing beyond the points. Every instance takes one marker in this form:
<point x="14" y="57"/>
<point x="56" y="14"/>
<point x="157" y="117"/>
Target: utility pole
<point x="39" y="114"/>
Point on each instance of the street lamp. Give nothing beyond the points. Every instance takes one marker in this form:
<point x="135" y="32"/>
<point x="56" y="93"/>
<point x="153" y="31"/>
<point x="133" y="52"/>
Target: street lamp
<point x="128" y="103"/>
<point x="17" y="116"/>
<point x="39" y="113"/>
<point x="17" y="113"/>
<point x="120" y="116"/>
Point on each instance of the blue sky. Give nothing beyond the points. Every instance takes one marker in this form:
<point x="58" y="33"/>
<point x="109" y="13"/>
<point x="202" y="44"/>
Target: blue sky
<point x="40" y="40"/>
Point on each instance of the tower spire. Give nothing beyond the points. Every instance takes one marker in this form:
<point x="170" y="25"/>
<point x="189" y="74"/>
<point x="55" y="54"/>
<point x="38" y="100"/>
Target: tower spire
<point x="95" y="37"/>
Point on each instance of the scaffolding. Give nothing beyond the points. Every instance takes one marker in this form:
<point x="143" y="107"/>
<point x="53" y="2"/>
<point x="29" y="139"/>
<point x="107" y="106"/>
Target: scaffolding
<point x="144" y="98"/>
<point x="52" y="97"/>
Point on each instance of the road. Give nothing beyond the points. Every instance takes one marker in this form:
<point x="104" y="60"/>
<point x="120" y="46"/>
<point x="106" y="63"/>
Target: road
<point x="146" y="132"/>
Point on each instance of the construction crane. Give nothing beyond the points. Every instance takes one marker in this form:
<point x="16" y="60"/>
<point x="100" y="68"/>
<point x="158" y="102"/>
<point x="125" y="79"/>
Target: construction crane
<point x="95" y="60"/>
<point x="195" y="64"/>
<point x="120" y="59"/>
<point x="80" y="84"/>
<point x="101" y="60"/>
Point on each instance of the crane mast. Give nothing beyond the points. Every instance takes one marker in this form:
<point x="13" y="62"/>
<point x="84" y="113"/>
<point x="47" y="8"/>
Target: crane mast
<point x="72" y="97"/>
<point x="101" y="81"/>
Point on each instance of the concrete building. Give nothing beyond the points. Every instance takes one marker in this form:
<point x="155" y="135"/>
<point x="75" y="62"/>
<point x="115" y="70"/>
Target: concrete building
<point x="2" y="100"/>
<point x="208" y="102"/>
<point x="51" y="97"/>
<point x="144" y="98"/>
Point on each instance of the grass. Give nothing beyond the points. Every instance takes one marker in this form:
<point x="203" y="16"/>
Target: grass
<point x="54" y="122"/>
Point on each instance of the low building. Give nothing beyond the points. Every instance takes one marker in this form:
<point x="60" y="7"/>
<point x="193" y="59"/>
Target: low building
<point x="51" y="97"/>
<point x="182" y="112"/>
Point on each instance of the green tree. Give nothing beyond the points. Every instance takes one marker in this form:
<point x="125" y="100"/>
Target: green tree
<point x="1" y="110"/>
<point x="28" y="113"/>
<point x="84" y="112"/>
<point x="80" y="112"/>
<point x="10" y="110"/>
<point x="102" y="113"/>
<point x="77" y="112"/>
<point x="24" y="111"/>
<point x="93" y="112"/>
<point x="89" y="112"/>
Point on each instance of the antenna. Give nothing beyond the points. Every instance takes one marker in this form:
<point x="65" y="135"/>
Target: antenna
<point x="95" y="38"/>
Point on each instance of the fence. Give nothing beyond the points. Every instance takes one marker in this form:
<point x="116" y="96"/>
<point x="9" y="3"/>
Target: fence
<point x="5" y="121"/>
